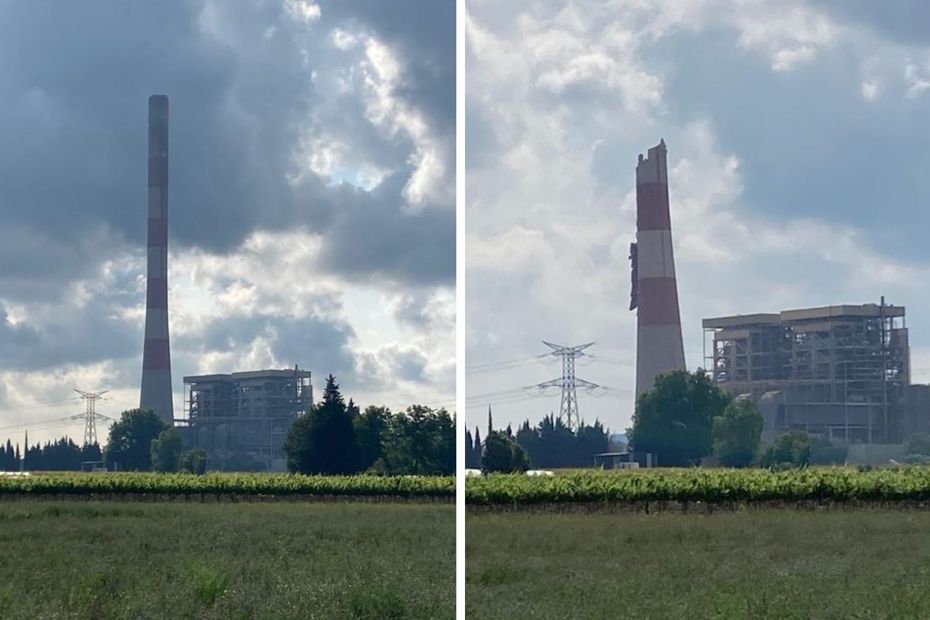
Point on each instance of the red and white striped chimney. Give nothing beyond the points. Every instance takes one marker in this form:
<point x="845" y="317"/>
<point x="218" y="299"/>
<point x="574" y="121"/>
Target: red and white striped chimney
<point x="156" y="355"/>
<point x="659" y="346"/>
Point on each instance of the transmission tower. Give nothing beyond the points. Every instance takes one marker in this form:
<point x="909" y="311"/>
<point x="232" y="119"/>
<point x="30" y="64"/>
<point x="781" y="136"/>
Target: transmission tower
<point x="90" y="415"/>
<point x="568" y="382"/>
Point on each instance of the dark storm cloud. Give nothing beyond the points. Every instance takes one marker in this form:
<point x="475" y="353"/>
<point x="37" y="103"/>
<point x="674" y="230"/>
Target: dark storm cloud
<point x="82" y="336"/>
<point x="380" y="371"/>
<point x="88" y="328"/>
<point x="408" y="364"/>
<point x="375" y="242"/>
<point x="75" y="78"/>
<point x="413" y="310"/>
<point x="424" y="33"/>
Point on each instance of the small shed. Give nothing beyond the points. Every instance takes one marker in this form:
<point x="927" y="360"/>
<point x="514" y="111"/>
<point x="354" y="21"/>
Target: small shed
<point x="624" y="460"/>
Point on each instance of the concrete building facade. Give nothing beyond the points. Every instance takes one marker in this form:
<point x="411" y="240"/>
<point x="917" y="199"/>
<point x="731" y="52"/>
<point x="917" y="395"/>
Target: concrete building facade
<point x="241" y="419"/>
<point x="841" y="372"/>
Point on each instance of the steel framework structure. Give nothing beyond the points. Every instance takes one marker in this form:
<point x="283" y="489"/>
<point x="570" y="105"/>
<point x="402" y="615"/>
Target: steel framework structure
<point x="835" y="370"/>
<point x="90" y="415"/>
<point x="568" y="382"/>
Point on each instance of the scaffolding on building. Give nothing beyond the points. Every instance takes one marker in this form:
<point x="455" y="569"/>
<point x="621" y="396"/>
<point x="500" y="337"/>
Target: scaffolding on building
<point x="244" y="417"/>
<point x="838" y="371"/>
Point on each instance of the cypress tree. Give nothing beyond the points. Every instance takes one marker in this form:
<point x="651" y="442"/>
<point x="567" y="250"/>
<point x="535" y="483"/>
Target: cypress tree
<point x="477" y="446"/>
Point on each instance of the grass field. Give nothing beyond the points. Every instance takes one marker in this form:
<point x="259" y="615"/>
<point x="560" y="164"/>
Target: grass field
<point x="864" y="563"/>
<point x="87" y="559"/>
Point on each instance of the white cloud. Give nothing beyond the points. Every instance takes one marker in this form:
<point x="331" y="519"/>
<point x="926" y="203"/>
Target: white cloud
<point x="382" y="72"/>
<point x="789" y="32"/>
<point x="917" y="80"/>
<point x="335" y="161"/>
<point x="343" y="39"/>
<point x="869" y="89"/>
<point x="303" y="11"/>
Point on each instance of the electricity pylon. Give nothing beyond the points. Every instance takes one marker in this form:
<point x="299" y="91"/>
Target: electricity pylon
<point x="90" y="415"/>
<point x="568" y="382"/>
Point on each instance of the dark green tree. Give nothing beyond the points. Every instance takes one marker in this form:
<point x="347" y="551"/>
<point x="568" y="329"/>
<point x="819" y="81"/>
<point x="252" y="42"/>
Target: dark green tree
<point x="673" y="419"/>
<point x="193" y="461"/>
<point x="370" y="428"/>
<point x="502" y="454"/>
<point x="553" y="444"/>
<point x="59" y="455"/>
<point x="420" y="441"/>
<point x="793" y="449"/>
<point x="737" y="434"/>
<point x="166" y="451"/>
<point x="529" y="440"/>
<point x="519" y="459"/>
<point x="478" y="449"/>
<point x="130" y="442"/>
<point x="556" y="443"/>
<point x="470" y="462"/>
<point x="322" y="441"/>
<point x="92" y="452"/>
<point x="590" y="439"/>
<point x="8" y="457"/>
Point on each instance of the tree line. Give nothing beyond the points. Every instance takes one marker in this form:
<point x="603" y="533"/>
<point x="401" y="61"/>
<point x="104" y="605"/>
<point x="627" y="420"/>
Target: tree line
<point x="549" y="444"/>
<point x="335" y="437"/>
<point x="59" y="455"/>
<point x="685" y="417"/>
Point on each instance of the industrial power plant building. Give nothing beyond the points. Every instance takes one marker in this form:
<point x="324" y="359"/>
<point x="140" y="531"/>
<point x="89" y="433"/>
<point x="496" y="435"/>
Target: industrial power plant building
<point x="241" y="419"/>
<point x="841" y="372"/>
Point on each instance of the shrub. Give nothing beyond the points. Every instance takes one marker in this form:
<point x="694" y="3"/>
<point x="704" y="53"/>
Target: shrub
<point x="793" y="449"/>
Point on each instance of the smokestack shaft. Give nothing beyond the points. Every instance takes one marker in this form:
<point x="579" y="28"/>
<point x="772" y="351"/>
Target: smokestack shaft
<point x="659" y="346"/>
<point x="156" y="357"/>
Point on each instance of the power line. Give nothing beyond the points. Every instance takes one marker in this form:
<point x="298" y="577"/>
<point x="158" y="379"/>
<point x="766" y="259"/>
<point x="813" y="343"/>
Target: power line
<point x="583" y="360"/>
<point x="504" y="364"/>
<point x="50" y="403"/>
<point x="610" y="360"/>
<point x="41" y="423"/>
<point x="442" y="404"/>
<point x="505" y="401"/>
<point x="488" y="395"/>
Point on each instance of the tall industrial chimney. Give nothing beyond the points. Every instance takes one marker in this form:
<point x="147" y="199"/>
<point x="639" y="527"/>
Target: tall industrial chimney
<point x="156" y="356"/>
<point x="659" y="346"/>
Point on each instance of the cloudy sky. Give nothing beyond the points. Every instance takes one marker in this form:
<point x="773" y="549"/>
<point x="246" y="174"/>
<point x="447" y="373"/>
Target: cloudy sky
<point x="312" y="205"/>
<point x="797" y="137"/>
